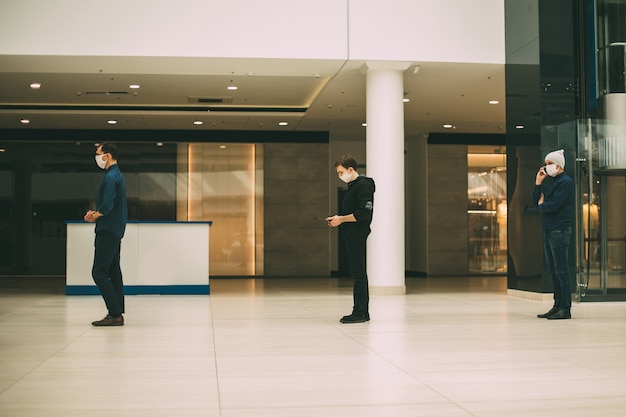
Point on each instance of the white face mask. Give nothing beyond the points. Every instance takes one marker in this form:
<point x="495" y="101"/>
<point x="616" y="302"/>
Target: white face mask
<point x="346" y="177"/>
<point x="101" y="163"/>
<point x="552" y="170"/>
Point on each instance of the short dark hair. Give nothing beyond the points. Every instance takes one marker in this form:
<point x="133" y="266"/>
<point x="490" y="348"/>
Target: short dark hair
<point x="347" y="161"/>
<point x="108" y="147"/>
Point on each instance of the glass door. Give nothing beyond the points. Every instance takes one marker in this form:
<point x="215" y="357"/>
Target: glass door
<point x="601" y="216"/>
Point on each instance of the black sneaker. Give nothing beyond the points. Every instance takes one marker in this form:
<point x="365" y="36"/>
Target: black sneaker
<point x="355" y="318"/>
<point x="109" y="321"/>
<point x="560" y="315"/>
<point x="546" y="314"/>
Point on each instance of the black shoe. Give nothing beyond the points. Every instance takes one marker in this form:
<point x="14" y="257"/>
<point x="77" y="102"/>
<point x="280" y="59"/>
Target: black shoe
<point x="545" y="315"/>
<point x="355" y="318"/>
<point x="109" y="321"/>
<point x="560" y="315"/>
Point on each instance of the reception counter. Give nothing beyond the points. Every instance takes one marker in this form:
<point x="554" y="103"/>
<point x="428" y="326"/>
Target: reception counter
<point x="156" y="258"/>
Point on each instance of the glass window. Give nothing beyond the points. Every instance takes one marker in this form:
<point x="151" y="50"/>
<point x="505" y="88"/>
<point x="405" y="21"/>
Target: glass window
<point x="222" y="187"/>
<point x="487" y="209"/>
<point x="45" y="184"/>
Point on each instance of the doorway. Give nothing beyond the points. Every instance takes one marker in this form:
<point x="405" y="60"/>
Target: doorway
<point x="487" y="209"/>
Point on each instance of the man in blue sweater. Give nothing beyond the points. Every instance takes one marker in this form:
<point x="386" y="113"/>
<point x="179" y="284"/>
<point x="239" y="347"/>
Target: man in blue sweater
<point x="110" y="218"/>
<point x="555" y="201"/>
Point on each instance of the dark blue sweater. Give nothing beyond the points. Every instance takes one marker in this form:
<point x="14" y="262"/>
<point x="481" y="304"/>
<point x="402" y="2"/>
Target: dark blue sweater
<point x="112" y="203"/>
<point x="558" y="202"/>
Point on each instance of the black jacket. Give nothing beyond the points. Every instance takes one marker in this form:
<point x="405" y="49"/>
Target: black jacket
<point x="359" y="201"/>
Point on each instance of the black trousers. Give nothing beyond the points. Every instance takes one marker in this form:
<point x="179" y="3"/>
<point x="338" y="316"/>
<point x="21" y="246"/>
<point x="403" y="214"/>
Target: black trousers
<point x="356" y="249"/>
<point x="106" y="271"/>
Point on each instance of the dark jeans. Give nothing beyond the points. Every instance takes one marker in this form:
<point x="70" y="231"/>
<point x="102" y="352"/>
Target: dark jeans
<point x="356" y="260"/>
<point x="106" y="271"/>
<point x="556" y="249"/>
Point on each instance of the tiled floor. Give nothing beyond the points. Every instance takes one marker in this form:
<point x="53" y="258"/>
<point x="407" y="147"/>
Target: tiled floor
<point x="449" y="348"/>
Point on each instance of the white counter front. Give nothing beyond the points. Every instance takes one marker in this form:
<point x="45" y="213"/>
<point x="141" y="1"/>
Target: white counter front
<point x="156" y="258"/>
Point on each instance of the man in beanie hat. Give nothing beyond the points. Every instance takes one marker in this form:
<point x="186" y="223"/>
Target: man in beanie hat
<point x="555" y="201"/>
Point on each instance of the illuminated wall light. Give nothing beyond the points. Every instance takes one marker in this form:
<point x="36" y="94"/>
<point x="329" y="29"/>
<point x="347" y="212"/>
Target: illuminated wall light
<point x="35" y="86"/>
<point x="24" y="121"/>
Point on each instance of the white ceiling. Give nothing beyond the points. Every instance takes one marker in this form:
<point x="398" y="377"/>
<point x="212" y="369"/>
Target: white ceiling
<point x="332" y="93"/>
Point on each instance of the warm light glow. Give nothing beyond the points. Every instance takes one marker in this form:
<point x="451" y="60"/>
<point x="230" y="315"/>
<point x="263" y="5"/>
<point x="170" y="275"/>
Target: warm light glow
<point x="232" y="87"/>
<point x="406" y="100"/>
<point x="447" y="126"/>
<point x="283" y="124"/>
<point x="35" y="86"/>
<point x="221" y="188"/>
<point x="494" y="102"/>
<point x="198" y="122"/>
<point x="134" y="86"/>
<point x="24" y="121"/>
<point x="112" y="122"/>
<point x="364" y="124"/>
<point x="519" y="126"/>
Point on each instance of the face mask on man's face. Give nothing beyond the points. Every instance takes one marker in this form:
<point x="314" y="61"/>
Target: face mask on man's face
<point x="100" y="161"/>
<point x="346" y="177"/>
<point x="552" y="170"/>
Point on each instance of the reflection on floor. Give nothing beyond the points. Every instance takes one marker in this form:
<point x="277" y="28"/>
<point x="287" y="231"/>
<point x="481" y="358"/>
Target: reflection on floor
<point x="451" y="347"/>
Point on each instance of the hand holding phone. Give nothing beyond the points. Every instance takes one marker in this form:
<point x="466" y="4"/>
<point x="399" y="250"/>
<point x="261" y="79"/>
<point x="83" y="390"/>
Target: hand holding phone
<point x="541" y="175"/>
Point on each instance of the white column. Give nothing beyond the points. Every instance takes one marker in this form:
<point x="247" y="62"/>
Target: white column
<point x="385" y="164"/>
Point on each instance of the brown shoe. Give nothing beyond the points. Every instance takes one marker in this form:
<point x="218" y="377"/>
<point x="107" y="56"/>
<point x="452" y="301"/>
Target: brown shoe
<point x="109" y="321"/>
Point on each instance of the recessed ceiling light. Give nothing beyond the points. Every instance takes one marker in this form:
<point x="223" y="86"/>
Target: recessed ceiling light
<point x="282" y="123"/>
<point x="24" y="121"/>
<point x="232" y="87"/>
<point x="364" y="124"/>
<point x="198" y="122"/>
<point x="112" y="122"/>
<point x="447" y="126"/>
<point x="2" y="150"/>
<point x="406" y="100"/>
<point x="35" y="86"/>
<point x="222" y="146"/>
<point x="159" y="143"/>
<point x="494" y="102"/>
<point x="134" y="86"/>
<point x="519" y="126"/>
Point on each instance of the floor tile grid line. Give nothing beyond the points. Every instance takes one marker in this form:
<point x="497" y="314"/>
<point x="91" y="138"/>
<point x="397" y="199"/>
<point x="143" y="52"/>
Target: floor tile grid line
<point x="401" y="369"/>
<point x="339" y="328"/>
<point x="485" y="335"/>
<point x="43" y="361"/>
<point x="215" y="361"/>
<point x="342" y="330"/>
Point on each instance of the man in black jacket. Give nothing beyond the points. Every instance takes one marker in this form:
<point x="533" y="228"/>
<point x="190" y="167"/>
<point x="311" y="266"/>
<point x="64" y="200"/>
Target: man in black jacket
<point x="355" y="220"/>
